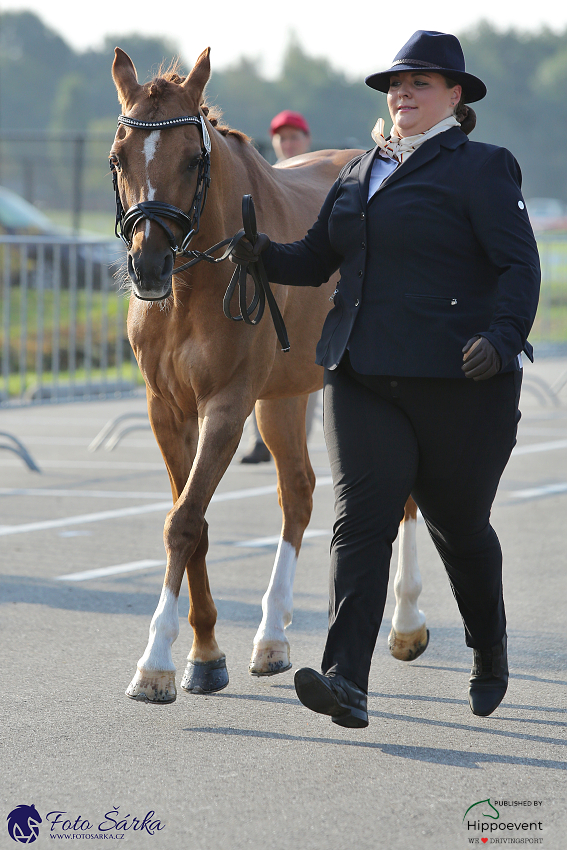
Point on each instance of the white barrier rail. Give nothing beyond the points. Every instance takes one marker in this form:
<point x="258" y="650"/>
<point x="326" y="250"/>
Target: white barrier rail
<point x="63" y="321"/>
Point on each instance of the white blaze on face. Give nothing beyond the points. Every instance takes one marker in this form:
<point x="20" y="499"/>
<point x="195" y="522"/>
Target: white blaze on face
<point x="164" y="629"/>
<point x="150" y="146"/>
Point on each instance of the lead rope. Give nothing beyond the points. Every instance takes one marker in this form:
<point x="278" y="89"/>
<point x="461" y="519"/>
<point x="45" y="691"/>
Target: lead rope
<point x="256" y="270"/>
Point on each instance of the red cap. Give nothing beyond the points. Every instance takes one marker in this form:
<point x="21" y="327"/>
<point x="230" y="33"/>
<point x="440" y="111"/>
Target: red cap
<point x="287" y="118"/>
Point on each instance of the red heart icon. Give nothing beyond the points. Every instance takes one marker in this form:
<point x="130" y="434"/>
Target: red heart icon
<point x="484" y="840"/>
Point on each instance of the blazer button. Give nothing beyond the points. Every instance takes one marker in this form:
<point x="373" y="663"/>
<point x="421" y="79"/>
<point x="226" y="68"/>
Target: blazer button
<point x="363" y="246"/>
<point x="360" y="272"/>
<point x="357" y="302"/>
<point x="362" y="216"/>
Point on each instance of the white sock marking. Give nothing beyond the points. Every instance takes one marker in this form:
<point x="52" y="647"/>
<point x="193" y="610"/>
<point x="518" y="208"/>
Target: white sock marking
<point x="407" y="583"/>
<point x="164" y="629"/>
<point x="277" y="603"/>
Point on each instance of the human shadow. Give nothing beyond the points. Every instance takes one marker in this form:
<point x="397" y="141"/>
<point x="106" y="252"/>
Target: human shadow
<point x="433" y="755"/>
<point x="409" y="718"/>
<point x="528" y="677"/>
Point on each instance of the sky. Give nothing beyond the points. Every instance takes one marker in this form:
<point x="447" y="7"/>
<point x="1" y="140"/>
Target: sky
<point x="357" y="40"/>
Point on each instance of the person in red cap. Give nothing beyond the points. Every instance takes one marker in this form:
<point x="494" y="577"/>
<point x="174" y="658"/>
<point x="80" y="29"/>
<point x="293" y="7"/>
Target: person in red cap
<point x="290" y="137"/>
<point x="290" y="134"/>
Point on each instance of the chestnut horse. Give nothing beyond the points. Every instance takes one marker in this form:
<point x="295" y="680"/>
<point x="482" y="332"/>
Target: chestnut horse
<point x="204" y="374"/>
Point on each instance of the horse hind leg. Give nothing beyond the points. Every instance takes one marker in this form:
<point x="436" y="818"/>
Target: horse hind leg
<point x="409" y="635"/>
<point x="282" y="425"/>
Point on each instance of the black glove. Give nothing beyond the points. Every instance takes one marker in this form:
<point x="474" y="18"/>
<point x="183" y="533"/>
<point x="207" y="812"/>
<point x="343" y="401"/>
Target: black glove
<point x="245" y="252"/>
<point x="481" y="360"/>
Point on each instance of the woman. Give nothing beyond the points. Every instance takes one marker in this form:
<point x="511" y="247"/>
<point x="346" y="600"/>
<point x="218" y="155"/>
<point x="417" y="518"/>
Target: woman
<point x="438" y="291"/>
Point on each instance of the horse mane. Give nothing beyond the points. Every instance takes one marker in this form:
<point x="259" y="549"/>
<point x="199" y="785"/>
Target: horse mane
<point x="161" y="83"/>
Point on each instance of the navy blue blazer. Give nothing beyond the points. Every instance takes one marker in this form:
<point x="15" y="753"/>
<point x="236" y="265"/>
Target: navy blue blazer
<point x="442" y="252"/>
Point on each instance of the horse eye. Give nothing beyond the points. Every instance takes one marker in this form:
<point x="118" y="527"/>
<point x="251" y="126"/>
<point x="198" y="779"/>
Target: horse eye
<point x="194" y="163"/>
<point x="114" y="162"/>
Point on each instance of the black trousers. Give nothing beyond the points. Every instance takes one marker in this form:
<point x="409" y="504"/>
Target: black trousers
<point x="444" y="441"/>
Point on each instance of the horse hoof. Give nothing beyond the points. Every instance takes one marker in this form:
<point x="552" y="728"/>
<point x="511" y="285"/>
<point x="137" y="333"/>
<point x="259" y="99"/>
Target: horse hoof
<point x="152" y="686"/>
<point x="270" y="658"/>
<point x="408" y="647"/>
<point x="205" y="677"/>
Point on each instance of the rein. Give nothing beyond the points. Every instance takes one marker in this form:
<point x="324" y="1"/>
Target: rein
<point x="189" y="223"/>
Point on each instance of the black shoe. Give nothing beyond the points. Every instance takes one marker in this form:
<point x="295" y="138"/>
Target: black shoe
<point x="259" y="454"/>
<point x="489" y="678"/>
<point x="333" y="695"/>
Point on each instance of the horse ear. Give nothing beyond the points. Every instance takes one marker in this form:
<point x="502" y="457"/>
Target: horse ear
<point x="125" y="78"/>
<point x="199" y="76"/>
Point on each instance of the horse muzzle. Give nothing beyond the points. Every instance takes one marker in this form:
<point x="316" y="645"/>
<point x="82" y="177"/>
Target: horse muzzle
<point x="150" y="273"/>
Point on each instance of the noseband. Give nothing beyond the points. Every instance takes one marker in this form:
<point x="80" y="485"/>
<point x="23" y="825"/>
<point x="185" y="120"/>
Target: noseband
<point x="156" y="211"/>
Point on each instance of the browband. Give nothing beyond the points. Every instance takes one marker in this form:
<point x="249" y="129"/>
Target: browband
<point x="169" y="122"/>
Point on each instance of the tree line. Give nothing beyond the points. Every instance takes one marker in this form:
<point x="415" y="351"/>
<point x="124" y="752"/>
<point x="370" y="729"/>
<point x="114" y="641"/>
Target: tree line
<point x="45" y="85"/>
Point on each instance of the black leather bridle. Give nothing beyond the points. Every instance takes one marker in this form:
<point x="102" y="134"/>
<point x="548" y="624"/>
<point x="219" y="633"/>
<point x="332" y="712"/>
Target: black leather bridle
<point x="189" y="223"/>
<point x="157" y="211"/>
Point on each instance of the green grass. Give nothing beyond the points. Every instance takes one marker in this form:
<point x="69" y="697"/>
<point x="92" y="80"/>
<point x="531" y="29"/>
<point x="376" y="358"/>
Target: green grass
<point x="18" y="384"/>
<point x="551" y="320"/>
<point x="85" y="332"/>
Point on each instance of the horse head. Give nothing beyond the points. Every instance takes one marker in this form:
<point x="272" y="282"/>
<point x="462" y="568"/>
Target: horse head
<point x="161" y="169"/>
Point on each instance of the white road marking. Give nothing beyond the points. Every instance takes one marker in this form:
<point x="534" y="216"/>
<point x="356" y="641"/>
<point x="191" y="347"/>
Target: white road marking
<point x="110" y="571"/>
<point x="259" y="542"/>
<point x="90" y="464"/>
<point x="82" y="494"/>
<point x="82" y="442"/>
<point x="540" y="447"/>
<point x="76" y="533"/>
<point x="534" y="492"/>
<point x="529" y="431"/>
<point x="133" y="566"/>
<point x="25" y="528"/>
<point x="230" y="495"/>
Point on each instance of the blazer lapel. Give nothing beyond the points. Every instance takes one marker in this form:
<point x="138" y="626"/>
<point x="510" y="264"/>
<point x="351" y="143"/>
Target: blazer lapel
<point x="364" y="171"/>
<point x="425" y="153"/>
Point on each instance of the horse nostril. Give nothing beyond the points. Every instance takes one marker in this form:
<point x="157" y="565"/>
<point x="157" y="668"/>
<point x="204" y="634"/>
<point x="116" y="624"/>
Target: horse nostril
<point x="167" y="269"/>
<point x="133" y="270"/>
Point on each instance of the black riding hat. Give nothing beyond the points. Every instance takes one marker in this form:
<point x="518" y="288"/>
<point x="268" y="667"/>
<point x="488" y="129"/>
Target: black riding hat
<point x="432" y="51"/>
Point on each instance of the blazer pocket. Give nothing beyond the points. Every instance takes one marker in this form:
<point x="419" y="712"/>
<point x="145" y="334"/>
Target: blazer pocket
<point x="432" y="301"/>
<point x="440" y="315"/>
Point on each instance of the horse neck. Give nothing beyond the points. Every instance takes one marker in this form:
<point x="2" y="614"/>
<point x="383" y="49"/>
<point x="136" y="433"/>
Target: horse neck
<point x="236" y="169"/>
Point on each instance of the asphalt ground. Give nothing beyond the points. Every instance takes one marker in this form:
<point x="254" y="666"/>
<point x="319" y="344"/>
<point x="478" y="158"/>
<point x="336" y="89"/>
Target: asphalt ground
<point x="250" y="767"/>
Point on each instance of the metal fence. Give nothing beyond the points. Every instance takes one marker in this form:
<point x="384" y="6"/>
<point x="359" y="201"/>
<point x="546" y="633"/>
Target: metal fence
<point x="63" y="321"/>
<point x="63" y="318"/>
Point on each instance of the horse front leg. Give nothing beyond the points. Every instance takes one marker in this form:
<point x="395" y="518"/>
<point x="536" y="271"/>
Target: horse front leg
<point x="186" y="540"/>
<point x="154" y="680"/>
<point x="409" y="635"/>
<point x="195" y="469"/>
<point x="282" y="425"/>
<point x="206" y="670"/>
